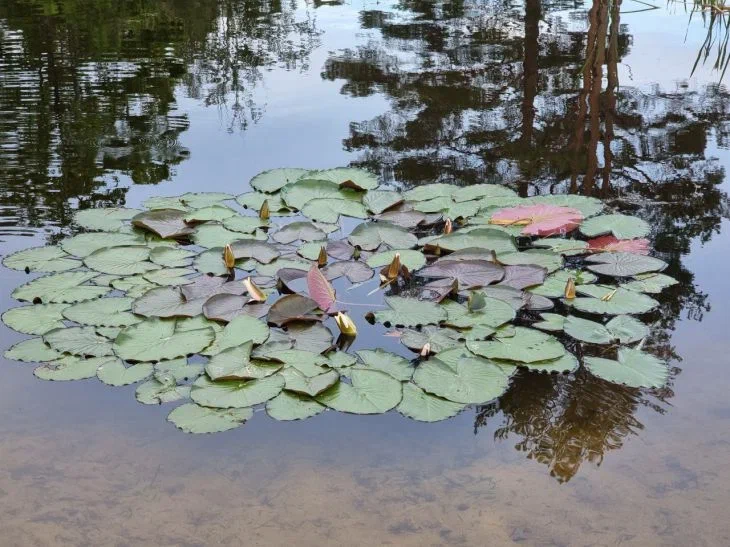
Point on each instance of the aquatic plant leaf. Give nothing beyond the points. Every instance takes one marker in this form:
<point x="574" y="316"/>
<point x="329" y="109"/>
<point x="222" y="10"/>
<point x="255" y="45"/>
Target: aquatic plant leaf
<point x="624" y="264"/>
<point x="587" y="331"/>
<point x="79" y="341"/>
<point x="192" y="418"/>
<point x="235" y="363"/>
<point x="170" y="277"/>
<point x="620" y="302"/>
<point x="347" y="177"/>
<point x="540" y="219"/>
<point x="294" y="307"/>
<point x="211" y="262"/>
<point x="587" y="205"/>
<point x="413" y="260"/>
<point x="354" y="270"/>
<point x="495" y="313"/>
<point x="320" y="289"/>
<point x="274" y="180"/>
<point x="215" y="213"/>
<point x="299" y="231"/>
<point x="171" y="257"/>
<point x="272" y="269"/>
<point x="215" y="235"/>
<point x="312" y="249"/>
<point x="165" y="223"/>
<point x="621" y="226"/>
<point x="652" y="283"/>
<point x="627" y="329"/>
<point x="49" y="259"/>
<point x="82" y="245"/>
<point x="292" y="406"/>
<point x="469" y="273"/>
<point x="536" y="257"/>
<point x="35" y="319"/>
<point x="70" y="368"/>
<point x="329" y="209"/>
<point x="121" y="260"/>
<point x="390" y="363"/>
<point x="482" y="191"/>
<point x="567" y="363"/>
<point x="245" y="225"/>
<point x="239" y="330"/>
<point x="484" y="238"/>
<point x="462" y="377"/>
<point x="609" y="244"/>
<point x="315" y="338"/>
<point x="522" y="276"/>
<point x="410" y="312"/>
<point x="114" y="373"/>
<point x="633" y="368"/>
<point x="554" y="284"/>
<point x="205" y="286"/>
<point x="254" y="201"/>
<point x="167" y="302"/>
<point x="378" y="201"/>
<point x="550" y="322"/>
<point x="33" y="350"/>
<point x="236" y="393"/>
<point x="526" y="346"/>
<point x="226" y="307"/>
<point x="404" y="218"/>
<point x="161" y="389"/>
<point x="179" y="369"/>
<point x="370" y="392"/>
<point x="103" y="312"/>
<point x="424" y="407"/>
<point x="340" y="359"/>
<point x="109" y="219"/>
<point x="559" y="245"/>
<point x="428" y="192"/>
<point x="307" y="362"/>
<point x="299" y="382"/>
<point x="299" y="193"/>
<point x="370" y="235"/>
<point x="158" y="339"/>
<point x="438" y="339"/>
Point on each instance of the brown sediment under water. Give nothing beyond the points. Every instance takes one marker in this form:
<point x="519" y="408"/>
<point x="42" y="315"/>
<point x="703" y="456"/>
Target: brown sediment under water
<point x="108" y="105"/>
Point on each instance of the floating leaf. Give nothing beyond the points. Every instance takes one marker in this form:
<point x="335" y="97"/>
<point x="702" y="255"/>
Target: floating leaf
<point x="179" y="369"/>
<point x="121" y="260"/>
<point x="215" y="213"/>
<point x="165" y="223"/>
<point x="62" y="288"/>
<point x="292" y="406"/>
<point x="161" y="389"/>
<point x="239" y="330"/>
<point x="438" y="339"/>
<point x="274" y="180"/>
<point x="211" y="262"/>
<point x="537" y="257"/>
<point x="110" y="219"/>
<point x="390" y="363"/>
<point x="624" y="264"/>
<point x="621" y="301"/>
<point x="167" y="302"/>
<point x="104" y="312"/>
<point x="215" y="235"/>
<point x="413" y="260"/>
<point x="627" y="329"/>
<point x="225" y="307"/>
<point x="410" y="312"/>
<point x="329" y="209"/>
<point x="526" y="346"/>
<point x="540" y="220"/>
<point x="38" y="319"/>
<point x="254" y="201"/>
<point x="192" y="418"/>
<point x="370" y="235"/>
<point x="424" y="407"/>
<point x="461" y="377"/>
<point x="652" y="283"/>
<point x="315" y="338"/>
<point x="353" y="270"/>
<point x="320" y="289"/>
<point x="173" y="277"/>
<point x="158" y="339"/>
<point x="298" y="382"/>
<point x="523" y="276"/>
<point x="299" y="193"/>
<point x="299" y="231"/>
<point x="405" y="218"/>
<point x="114" y="373"/>
<point x="633" y="368"/>
<point x="555" y="283"/>
<point x="609" y="244"/>
<point x="430" y="191"/>
<point x="378" y="201"/>
<point x="494" y="313"/>
<point x="41" y="259"/>
<point x="294" y="307"/>
<point x="204" y="287"/>
<point x="567" y="363"/>
<point x="370" y="392"/>
<point x="71" y="368"/>
<point x="621" y="226"/>
<point x="551" y="322"/>
<point x="82" y="245"/>
<point x="235" y="363"/>
<point x="559" y="245"/>
<point x="469" y="273"/>
<point x="34" y="350"/>
<point x="171" y="257"/>
<point x="236" y="393"/>
<point x="346" y="177"/>
<point x="245" y="225"/>
<point x="79" y="341"/>
<point x="587" y="331"/>
<point x="483" y="238"/>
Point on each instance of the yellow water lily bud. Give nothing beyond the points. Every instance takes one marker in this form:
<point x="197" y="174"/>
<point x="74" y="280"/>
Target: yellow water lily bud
<point x="448" y="226"/>
<point x="322" y="258"/>
<point x="570" y="289"/>
<point x="264" y="212"/>
<point x="394" y="267"/>
<point x="426" y="349"/>
<point x="229" y="259"/>
<point x="254" y="292"/>
<point x="345" y="324"/>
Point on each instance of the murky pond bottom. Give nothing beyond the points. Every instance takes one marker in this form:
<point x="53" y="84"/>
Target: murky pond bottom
<point x="387" y="87"/>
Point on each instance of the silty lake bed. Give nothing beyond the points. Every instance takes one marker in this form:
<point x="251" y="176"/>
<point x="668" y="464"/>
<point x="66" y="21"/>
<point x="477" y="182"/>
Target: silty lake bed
<point x="112" y="104"/>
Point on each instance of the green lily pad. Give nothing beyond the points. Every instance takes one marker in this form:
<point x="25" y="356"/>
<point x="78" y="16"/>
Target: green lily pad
<point x="71" y="368"/>
<point x="217" y="213"/>
<point x="438" y="339"/>
<point x="79" y="341"/>
<point x="554" y="285"/>
<point x="235" y="363"/>
<point x="621" y="226"/>
<point x="621" y="301"/>
<point x="245" y="225"/>
<point x="567" y="363"/>
<point x="370" y="235"/>
<point x="161" y="389"/>
<point x="274" y="180"/>
<point x="587" y="205"/>
<point x="410" y="312"/>
<point x="633" y="368"/>
<point x="82" y="245"/>
<point x="114" y="373"/>
<point x="390" y="363"/>
<point x="171" y="277"/>
<point x="121" y="260"/>
<point x="627" y="329"/>
<point x="340" y="359"/>
<point x="370" y="392"/>
<point x="413" y="260"/>
<point x="299" y="231"/>
<point x="538" y="257"/>
<point x="652" y="283"/>
<point x="62" y="288"/>
<point x="428" y="192"/>
<point x="215" y="235"/>
<point x="164" y="223"/>
<point x="298" y="382"/>
<point x="424" y="407"/>
<point x="211" y="262"/>
<point x="559" y="245"/>
<point x="299" y="193"/>
<point x="526" y="346"/>
<point x="103" y="312"/>
<point x="110" y="219"/>
<point x="179" y="369"/>
<point x="330" y="209"/>
<point x="624" y="264"/>
<point x="171" y="257"/>
<point x="346" y="177"/>
<point x="484" y="238"/>
<point x="308" y="363"/>
<point x="167" y="302"/>
<point x="551" y="322"/>
<point x="378" y="201"/>
<point x="493" y="314"/>
<point x="254" y="201"/>
<point x="236" y="393"/>
<point x="37" y="319"/>
<point x="354" y="270"/>
<point x="459" y="376"/>
<point x="587" y="331"/>
<point x="49" y="259"/>
<point x="192" y="418"/>
<point x="293" y="406"/>
<point x="33" y="350"/>
<point x="158" y="339"/>
<point x="238" y="331"/>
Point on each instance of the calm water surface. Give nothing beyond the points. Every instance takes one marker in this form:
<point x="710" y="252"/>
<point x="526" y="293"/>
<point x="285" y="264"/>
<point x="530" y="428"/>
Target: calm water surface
<point x="107" y="103"/>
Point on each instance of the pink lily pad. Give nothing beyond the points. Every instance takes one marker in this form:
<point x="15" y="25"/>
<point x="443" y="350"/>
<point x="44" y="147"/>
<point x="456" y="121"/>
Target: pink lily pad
<point x="610" y="244"/>
<point x="539" y="220"/>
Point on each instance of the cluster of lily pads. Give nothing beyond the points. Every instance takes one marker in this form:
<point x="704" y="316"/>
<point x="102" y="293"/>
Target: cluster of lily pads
<point x="227" y="301"/>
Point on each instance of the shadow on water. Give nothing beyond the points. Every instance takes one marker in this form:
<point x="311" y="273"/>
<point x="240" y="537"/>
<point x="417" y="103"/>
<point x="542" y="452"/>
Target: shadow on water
<point x="539" y="96"/>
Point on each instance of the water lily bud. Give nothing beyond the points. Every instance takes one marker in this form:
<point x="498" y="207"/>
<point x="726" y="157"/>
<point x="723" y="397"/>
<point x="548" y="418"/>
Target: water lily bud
<point x="448" y="226"/>
<point x="426" y="349"/>
<point x="322" y="258"/>
<point x="394" y="267"/>
<point x="264" y="212"/>
<point x="254" y="292"/>
<point x="570" y="289"/>
<point x="345" y="324"/>
<point x="229" y="258"/>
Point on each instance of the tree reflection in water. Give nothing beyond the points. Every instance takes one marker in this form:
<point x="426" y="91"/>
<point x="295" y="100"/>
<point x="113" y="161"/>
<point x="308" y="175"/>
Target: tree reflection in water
<point x="476" y="97"/>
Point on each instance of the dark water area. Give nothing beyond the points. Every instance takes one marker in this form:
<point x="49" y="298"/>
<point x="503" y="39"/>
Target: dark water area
<point x="106" y="103"/>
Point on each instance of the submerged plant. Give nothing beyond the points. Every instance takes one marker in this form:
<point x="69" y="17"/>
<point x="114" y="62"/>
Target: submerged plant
<point x="247" y="289"/>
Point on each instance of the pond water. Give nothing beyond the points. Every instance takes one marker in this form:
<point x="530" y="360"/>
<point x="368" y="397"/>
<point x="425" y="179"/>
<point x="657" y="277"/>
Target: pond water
<point x="108" y="104"/>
